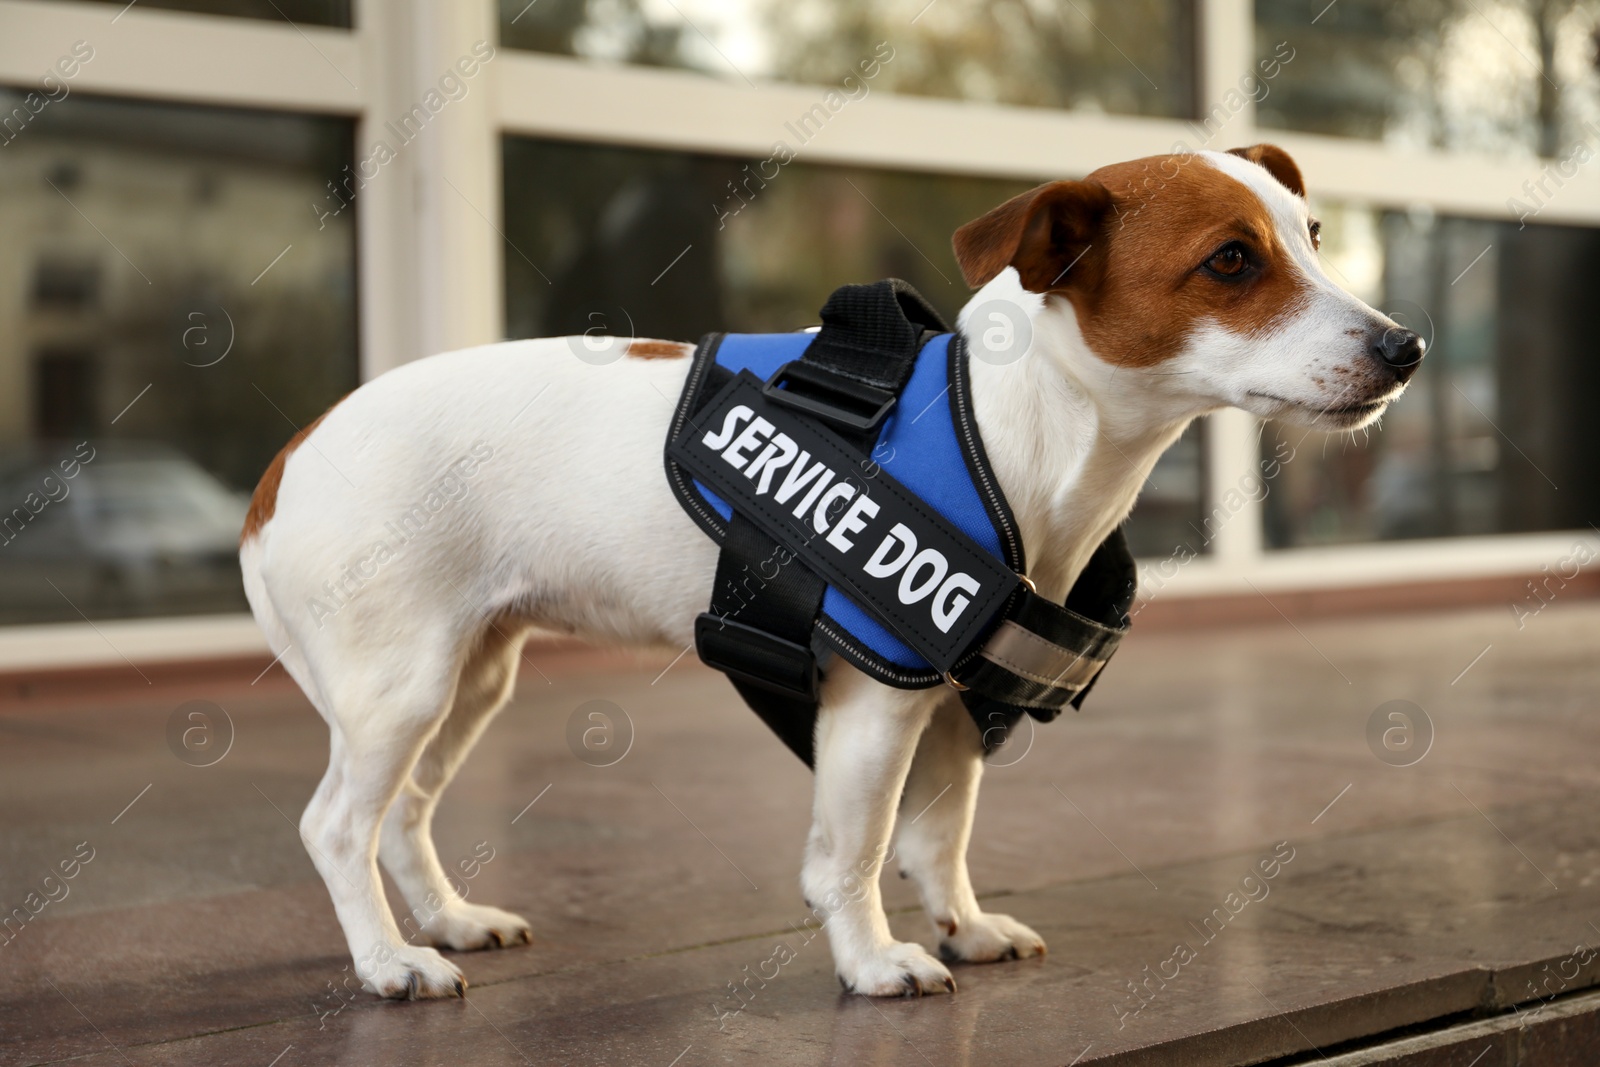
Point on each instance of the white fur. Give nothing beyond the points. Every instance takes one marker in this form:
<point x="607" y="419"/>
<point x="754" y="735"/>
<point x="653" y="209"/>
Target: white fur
<point x="569" y="524"/>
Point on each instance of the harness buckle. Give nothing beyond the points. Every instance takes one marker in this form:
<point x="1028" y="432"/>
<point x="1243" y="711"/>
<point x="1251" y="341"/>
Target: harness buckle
<point x="842" y="402"/>
<point x="755" y="656"/>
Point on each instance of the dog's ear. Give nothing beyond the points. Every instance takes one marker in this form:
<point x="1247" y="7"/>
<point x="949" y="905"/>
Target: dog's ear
<point x="1044" y="233"/>
<point x="1277" y="163"/>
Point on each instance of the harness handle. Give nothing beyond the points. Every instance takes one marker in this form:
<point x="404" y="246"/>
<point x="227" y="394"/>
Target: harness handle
<point x="872" y="334"/>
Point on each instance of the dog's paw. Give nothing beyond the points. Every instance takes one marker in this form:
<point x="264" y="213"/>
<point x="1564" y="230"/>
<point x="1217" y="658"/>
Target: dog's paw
<point x="899" y="969"/>
<point x="413" y="972"/>
<point x="475" y="926"/>
<point x="988" y="937"/>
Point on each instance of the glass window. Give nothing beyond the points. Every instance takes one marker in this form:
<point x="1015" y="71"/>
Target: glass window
<point x="1495" y="433"/>
<point x="1514" y="75"/>
<point x="311" y="12"/>
<point x="1127" y="57"/>
<point x="171" y="306"/>
<point x="1170" y="519"/>
<point x="675" y="245"/>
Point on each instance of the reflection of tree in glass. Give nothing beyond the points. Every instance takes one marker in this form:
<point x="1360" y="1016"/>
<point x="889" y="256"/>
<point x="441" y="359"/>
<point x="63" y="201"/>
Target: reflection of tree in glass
<point x="1475" y="74"/>
<point x="1125" y="57"/>
<point x="1128" y="57"/>
<point x="603" y="29"/>
<point x="603" y="223"/>
<point x="606" y="227"/>
<point x="815" y="228"/>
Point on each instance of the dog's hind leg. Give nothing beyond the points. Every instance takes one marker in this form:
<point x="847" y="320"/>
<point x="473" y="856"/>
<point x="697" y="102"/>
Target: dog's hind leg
<point x="866" y="735"/>
<point x="935" y="826"/>
<point x="439" y="912"/>
<point x="381" y="712"/>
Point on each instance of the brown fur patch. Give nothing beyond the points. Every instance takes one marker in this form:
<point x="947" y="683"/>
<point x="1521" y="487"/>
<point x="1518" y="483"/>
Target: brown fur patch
<point x="264" y="501"/>
<point x="641" y="349"/>
<point x="1127" y="246"/>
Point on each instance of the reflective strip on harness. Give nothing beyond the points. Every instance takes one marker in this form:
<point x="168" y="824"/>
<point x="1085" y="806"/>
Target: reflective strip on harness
<point x="1025" y="653"/>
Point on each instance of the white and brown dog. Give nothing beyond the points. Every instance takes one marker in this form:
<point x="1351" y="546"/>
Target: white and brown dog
<point x="1158" y="290"/>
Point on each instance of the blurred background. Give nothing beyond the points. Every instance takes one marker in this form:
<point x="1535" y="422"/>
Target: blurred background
<point x="219" y="216"/>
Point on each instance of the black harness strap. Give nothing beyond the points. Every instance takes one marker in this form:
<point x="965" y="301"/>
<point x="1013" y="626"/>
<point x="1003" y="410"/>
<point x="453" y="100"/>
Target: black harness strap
<point x="759" y="632"/>
<point x="763" y="607"/>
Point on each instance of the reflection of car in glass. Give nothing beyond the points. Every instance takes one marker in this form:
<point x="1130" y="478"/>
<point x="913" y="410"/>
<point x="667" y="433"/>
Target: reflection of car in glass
<point x="118" y="528"/>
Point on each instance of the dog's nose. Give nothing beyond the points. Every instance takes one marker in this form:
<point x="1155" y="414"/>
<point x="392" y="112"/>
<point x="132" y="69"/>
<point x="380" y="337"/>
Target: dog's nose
<point x="1400" y="350"/>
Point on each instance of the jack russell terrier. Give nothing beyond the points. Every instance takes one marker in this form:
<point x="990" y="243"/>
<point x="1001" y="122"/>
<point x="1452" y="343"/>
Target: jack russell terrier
<point x="1158" y="290"/>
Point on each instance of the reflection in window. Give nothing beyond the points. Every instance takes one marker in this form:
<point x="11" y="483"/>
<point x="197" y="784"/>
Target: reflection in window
<point x="1486" y="75"/>
<point x="1129" y="57"/>
<point x="674" y="245"/>
<point x="154" y="345"/>
<point x="1169" y="520"/>
<point x="312" y="12"/>
<point x="1498" y="416"/>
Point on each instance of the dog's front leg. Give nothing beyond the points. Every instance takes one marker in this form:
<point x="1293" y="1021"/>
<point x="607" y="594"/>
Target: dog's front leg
<point x="931" y="839"/>
<point x="866" y="735"/>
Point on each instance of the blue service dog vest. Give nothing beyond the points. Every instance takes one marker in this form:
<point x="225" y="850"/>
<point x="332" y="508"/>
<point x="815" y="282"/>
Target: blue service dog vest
<point x="844" y="476"/>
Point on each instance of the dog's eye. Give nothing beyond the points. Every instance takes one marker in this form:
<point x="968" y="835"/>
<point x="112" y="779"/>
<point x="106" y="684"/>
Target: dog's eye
<point x="1228" y="261"/>
<point x="1316" y="234"/>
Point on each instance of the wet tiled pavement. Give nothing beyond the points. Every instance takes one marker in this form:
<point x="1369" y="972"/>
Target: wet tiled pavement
<point x="1418" y="898"/>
